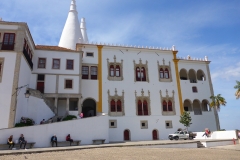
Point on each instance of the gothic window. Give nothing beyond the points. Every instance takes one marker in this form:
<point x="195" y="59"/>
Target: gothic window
<point x="168" y="105"/>
<point x="161" y="73"/>
<point x="164" y="72"/>
<point x="115" y="70"/>
<point x="141" y="71"/>
<point x="143" y="104"/>
<point x="116" y="104"/>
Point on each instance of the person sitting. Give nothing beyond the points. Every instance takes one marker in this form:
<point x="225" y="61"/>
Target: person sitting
<point x="21" y="141"/>
<point x="43" y="121"/>
<point x="68" y="138"/>
<point x="10" y="142"/>
<point x="54" y="140"/>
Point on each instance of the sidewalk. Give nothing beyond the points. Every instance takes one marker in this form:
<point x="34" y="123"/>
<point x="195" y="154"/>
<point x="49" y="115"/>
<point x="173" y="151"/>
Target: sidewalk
<point x="121" y="144"/>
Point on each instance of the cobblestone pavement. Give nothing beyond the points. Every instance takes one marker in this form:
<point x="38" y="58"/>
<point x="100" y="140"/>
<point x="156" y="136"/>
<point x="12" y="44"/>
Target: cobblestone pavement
<point x="131" y="153"/>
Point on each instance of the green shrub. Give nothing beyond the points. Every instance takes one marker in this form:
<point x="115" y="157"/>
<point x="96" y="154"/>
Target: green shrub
<point x="69" y="117"/>
<point x="25" y="122"/>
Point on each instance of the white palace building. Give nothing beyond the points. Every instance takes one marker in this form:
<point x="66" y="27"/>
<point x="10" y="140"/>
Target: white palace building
<point x="130" y="92"/>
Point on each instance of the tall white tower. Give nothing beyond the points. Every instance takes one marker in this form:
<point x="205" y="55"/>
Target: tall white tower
<point x="71" y="34"/>
<point x="84" y="30"/>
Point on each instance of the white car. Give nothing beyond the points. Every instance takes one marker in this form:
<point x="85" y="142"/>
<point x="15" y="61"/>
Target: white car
<point x="182" y="135"/>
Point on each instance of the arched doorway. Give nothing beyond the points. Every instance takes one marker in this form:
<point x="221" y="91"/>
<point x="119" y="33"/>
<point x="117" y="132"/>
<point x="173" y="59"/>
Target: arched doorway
<point x="89" y="108"/>
<point x="126" y="135"/>
<point x="155" y="134"/>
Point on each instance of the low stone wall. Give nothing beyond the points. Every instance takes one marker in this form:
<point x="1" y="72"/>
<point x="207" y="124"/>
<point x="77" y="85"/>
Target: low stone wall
<point x="85" y="129"/>
<point x="217" y="135"/>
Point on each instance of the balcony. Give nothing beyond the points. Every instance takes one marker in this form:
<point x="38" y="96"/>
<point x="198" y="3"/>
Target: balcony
<point x="8" y="46"/>
<point x="25" y="53"/>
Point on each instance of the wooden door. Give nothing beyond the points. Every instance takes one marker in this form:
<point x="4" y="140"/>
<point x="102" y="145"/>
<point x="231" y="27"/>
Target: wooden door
<point x="40" y="86"/>
<point x="126" y="135"/>
<point x="154" y="135"/>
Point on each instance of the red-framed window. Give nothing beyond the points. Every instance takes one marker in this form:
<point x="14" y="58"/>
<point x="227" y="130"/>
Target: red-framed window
<point x="140" y="74"/>
<point x="164" y="106"/>
<point x="119" y="106"/>
<point x="166" y="73"/>
<point x="68" y="84"/>
<point x="161" y="73"/>
<point x="145" y="107"/>
<point x="41" y="62"/>
<point x="69" y="64"/>
<point x="140" y="107"/>
<point x="111" y="71"/>
<point x="167" y="106"/>
<point x="117" y="71"/>
<point x="116" y="106"/>
<point x="93" y="72"/>
<point x="8" y="41"/>
<point x="113" y="108"/>
<point x="85" y="72"/>
<point x="194" y="89"/>
<point x="56" y="64"/>
<point x="170" y="106"/>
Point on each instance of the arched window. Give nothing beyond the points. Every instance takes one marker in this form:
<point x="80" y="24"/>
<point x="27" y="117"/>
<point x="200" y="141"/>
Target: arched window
<point x="161" y="73"/>
<point x="119" y="106"/>
<point x="140" y="107"/>
<point x="145" y="108"/>
<point x="143" y="74"/>
<point x="170" y="106"/>
<point x="166" y="73"/>
<point x="164" y="106"/>
<point x="111" y="71"/>
<point x="138" y="74"/>
<point x="113" y="107"/>
<point x="117" y="71"/>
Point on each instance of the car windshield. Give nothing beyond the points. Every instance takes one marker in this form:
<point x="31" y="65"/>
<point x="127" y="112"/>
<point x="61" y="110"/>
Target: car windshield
<point x="177" y="132"/>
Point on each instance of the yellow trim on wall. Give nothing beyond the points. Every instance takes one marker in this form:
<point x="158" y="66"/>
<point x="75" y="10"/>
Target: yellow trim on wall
<point x="99" y="105"/>
<point x="175" y="60"/>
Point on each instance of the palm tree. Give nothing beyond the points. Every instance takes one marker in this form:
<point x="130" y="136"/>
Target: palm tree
<point x="217" y="101"/>
<point x="237" y="94"/>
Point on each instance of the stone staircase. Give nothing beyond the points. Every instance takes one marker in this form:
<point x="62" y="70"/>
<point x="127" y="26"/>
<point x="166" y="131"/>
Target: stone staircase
<point x="200" y="145"/>
<point x="38" y="94"/>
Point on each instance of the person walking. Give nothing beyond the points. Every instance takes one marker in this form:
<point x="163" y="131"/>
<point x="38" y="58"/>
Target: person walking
<point x="21" y="141"/>
<point x="54" y="140"/>
<point x="10" y="142"/>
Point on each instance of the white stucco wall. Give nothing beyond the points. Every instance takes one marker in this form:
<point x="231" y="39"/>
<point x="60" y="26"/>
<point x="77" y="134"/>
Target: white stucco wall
<point x="81" y="129"/>
<point x="50" y="55"/>
<point x="6" y="86"/>
<point x="218" y="135"/>
<point x="24" y="79"/>
<point x="75" y="84"/>
<point x="38" y="110"/>
<point x="50" y="84"/>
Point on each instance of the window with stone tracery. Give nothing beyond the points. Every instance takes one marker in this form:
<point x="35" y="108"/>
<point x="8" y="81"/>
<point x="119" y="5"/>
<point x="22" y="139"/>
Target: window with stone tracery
<point x="143" y="104"/>
<point x="116" y="104"/>
<point x="168" y="105"/>
<point x="164" y="72"/>
<point x="115" y="70"/>
<point x="141" y="71"/>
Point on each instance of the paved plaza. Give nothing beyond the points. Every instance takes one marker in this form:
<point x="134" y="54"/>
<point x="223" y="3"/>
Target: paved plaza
<point x="131" y="153"/>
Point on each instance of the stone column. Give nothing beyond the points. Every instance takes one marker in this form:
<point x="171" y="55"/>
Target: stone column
<point x="79" y="105"/>
<point x="67" y="107"/>
<point x="56" y="105"/>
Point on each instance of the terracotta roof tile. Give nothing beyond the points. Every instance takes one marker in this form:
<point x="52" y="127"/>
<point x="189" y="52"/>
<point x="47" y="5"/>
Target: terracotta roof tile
<point x="53" y="48"/>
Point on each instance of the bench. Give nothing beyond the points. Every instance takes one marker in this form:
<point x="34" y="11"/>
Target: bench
<point x="98" y="141"/>
<point x="66" y="143"/>
<point x="17" y="145"/>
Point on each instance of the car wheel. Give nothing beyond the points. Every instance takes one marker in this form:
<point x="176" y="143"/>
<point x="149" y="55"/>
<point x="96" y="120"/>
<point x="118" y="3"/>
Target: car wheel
<point x="190" y="138"/>
<point x="176" y="138"/>
<point x="185" y="139"/>
<point x="171" y="139"/>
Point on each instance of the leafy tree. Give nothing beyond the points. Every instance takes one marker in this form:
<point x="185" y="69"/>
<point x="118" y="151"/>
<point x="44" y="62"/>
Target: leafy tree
<point x="217" y="101"/>
<point x="237" y="93"/>
<point x="186" y="119"/>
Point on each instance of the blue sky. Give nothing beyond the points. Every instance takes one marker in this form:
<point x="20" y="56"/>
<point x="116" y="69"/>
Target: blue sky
<point x="196" y="28"/>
